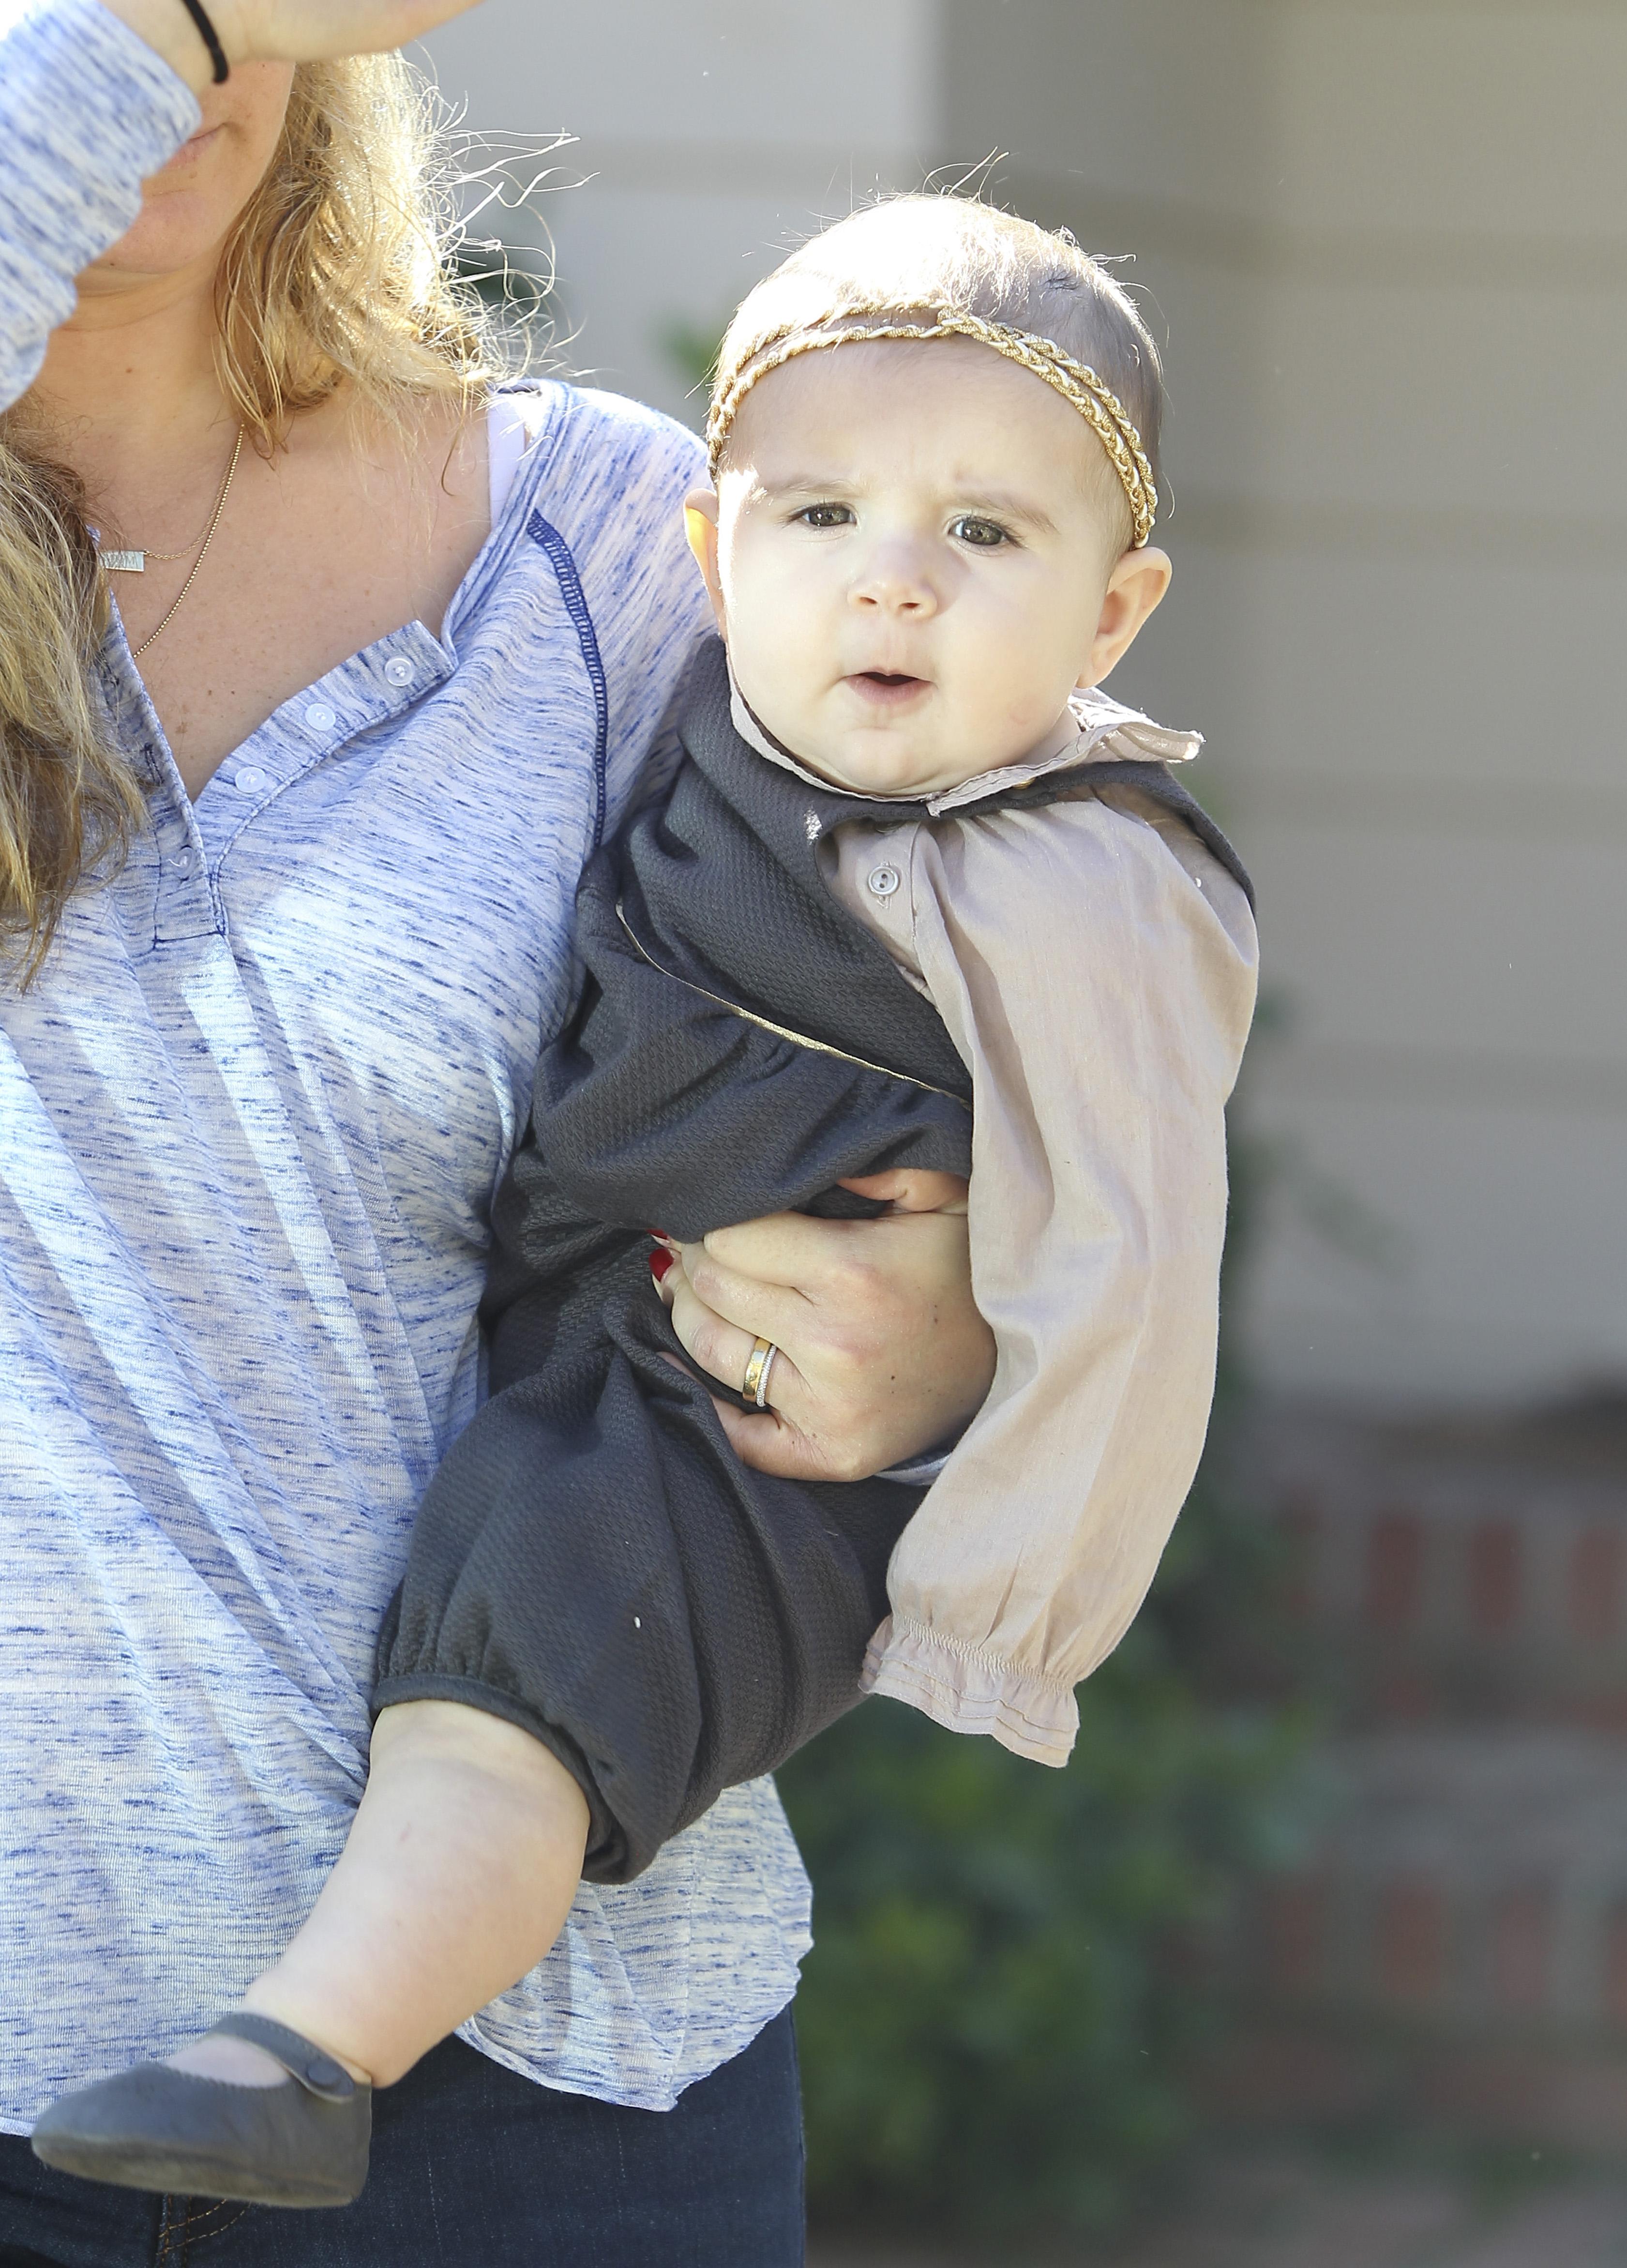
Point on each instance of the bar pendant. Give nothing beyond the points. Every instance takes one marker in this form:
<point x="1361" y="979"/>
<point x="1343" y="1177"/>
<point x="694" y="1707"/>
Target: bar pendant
<point x="124" y="562"/>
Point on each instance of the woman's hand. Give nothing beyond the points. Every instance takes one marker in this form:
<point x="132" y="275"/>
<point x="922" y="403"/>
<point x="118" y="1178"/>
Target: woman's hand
<point x="280" y="30"/>
<point x="881" y="1352"/>
<point x="311" y="31"/>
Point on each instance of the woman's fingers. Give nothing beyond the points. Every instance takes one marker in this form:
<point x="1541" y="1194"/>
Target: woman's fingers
<point x="845" y="1263"/>
<point x="771" y="1440"/>
<point x="908" y="1190"/>
<point x="787" y="1248"/>
<point x="769" y="1443"/>
<point x="883" y="1353"/>
<point x="723" y="1348"/>
<point x="765" y="1307"/>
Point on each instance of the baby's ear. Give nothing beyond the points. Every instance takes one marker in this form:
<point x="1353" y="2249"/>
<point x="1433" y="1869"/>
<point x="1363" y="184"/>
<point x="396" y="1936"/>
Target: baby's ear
<point x="700" y="523"/>
<point x="1135" y="589"/>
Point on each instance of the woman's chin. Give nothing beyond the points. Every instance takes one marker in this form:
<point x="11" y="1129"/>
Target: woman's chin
<point x="176" y="231"/>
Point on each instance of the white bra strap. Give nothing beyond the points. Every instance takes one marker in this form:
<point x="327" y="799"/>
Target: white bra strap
<point x="507" y="438"/>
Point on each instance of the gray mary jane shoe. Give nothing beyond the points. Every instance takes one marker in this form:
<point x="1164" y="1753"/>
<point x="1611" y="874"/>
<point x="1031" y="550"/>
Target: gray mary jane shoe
<point x="156" y="2128"/>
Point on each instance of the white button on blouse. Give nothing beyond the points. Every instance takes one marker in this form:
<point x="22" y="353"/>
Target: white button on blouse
<point x="319" y="718"/>
<point x="883" y="880"/>
<point x="399" y="670"/>
<point x="250" y="779"/>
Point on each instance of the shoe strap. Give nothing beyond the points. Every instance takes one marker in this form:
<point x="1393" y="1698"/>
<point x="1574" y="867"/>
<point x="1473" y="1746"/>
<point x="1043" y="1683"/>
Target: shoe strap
<point x="316" y="2071"/>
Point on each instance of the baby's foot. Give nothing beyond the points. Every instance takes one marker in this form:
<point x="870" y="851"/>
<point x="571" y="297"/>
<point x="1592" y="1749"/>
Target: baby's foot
<point x="245" y="2063"/>
<point x="252" y="2111"/>
<point x="240" y="2063"/>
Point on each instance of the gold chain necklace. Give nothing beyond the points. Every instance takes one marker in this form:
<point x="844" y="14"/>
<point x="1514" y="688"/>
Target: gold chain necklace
<point x="135" y="563"/>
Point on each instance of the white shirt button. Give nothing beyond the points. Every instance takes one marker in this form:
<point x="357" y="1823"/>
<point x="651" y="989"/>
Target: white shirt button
<point x="881" y="881"/>
<point x="250" y="779"/>
<point x="399" y="670"/>
<point x="184" y="862"/>
<point x="319" y="718"/>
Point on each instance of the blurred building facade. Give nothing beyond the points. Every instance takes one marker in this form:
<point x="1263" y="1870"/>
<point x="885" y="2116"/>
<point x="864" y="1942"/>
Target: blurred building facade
<point x="1386" y="241"/>
<point x="1448" y="1942"/>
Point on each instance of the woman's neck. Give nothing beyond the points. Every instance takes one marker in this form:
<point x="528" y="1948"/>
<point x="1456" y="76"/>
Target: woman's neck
<point x="129" y="390"/>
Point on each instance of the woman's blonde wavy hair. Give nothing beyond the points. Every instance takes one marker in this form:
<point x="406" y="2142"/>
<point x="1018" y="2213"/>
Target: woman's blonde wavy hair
<point x="337" y="273"/>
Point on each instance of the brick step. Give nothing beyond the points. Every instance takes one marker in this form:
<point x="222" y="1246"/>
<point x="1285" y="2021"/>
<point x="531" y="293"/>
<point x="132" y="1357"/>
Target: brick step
<point x="1451" y="1946"/>
<point x="1458" y="1882"/>
<point x="1469" y="1571"/>
<point x="1570" y="2097"/>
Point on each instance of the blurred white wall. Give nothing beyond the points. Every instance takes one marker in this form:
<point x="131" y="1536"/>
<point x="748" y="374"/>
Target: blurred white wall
<point x="1387" y="242"/>
<point x="713" y="135"/>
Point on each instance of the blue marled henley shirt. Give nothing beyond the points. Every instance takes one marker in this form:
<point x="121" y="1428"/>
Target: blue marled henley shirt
<point x="252" y="1117"/>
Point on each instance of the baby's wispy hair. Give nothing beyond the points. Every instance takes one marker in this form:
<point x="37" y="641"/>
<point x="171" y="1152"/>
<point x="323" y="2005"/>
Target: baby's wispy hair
<point x="930" y="267"/>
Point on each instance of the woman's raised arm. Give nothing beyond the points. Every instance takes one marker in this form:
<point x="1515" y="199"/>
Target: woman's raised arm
<point x="87" y="113"/>
<point x="280" y="31"/>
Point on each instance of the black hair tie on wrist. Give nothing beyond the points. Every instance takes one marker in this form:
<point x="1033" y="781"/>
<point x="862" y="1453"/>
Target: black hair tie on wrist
<point x="210" y="37"/>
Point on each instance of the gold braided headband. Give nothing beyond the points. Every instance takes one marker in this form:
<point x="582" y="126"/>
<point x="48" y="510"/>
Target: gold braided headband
<point x="1077" y="383"/>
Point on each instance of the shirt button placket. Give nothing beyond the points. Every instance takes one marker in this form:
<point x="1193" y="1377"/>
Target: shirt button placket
<point x="185" y="907"/>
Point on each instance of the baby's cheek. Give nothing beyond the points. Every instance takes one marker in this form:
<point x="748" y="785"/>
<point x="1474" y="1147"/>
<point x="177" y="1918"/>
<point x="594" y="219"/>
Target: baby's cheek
<point x="1028" y="668"/>
<point x="995" y="684"/>
<point x="778" y="664"/>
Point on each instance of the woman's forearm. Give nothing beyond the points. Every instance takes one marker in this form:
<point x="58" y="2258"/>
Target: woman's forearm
<point x="167" y="26"/>
<point x="87" y="111"/>
<point x="280" y="31"/>
<point x="94" y="99"/>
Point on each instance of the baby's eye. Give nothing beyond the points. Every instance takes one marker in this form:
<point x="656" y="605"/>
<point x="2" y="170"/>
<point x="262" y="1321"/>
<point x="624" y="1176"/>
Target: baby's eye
<point x="826" y="515"/>
<point x="982" y="534"/>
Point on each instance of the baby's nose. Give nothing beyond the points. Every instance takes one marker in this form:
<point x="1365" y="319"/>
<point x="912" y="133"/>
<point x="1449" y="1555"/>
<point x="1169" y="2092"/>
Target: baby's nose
<point x="899" y="585"/>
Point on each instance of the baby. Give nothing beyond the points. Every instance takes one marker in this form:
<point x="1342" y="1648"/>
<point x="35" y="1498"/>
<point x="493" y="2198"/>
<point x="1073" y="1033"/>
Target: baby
<point x="919" y="900"/>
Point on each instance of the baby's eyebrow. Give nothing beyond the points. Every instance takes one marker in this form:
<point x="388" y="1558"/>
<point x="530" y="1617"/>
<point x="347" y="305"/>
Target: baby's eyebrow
<point x="998" y="504"/>
<point x="801" y="483"/>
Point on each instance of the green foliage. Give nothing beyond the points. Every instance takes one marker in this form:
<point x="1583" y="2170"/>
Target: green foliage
<point x="1002" y="1993"/>
<point x="1007" y="1978"/>
<point x="692" y="349"/>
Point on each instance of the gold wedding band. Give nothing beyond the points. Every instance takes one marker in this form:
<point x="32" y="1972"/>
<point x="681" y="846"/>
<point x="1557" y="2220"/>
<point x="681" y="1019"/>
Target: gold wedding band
<point x="754" y="1391"/>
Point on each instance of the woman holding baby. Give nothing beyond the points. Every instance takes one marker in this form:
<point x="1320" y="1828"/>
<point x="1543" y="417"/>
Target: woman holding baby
<point x="327" y="665"/>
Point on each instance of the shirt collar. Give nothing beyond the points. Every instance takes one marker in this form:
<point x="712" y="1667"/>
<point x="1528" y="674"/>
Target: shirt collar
<point x="1096" y="730"/>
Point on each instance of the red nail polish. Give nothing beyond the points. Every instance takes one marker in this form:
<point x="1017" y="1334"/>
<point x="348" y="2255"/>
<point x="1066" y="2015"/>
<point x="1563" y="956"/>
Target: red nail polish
<point x="659" y="1262"/>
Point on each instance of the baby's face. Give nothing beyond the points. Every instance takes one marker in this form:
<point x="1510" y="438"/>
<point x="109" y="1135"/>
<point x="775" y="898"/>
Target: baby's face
<point x="915" y="566"/>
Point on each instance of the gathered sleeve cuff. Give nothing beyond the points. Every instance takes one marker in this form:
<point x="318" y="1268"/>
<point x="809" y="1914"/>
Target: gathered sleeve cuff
<point x="87" y="111"/>
<point x="967" y="1690"/>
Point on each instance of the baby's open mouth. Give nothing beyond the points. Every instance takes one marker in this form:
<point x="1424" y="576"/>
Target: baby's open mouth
<point x="887" y="688"/>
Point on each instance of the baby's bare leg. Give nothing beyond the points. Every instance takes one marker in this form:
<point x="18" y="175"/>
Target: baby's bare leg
<point x="458" y="1873"/>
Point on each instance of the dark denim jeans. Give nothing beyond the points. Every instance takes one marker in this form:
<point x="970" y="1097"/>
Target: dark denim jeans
<point x="474" y="2168"/>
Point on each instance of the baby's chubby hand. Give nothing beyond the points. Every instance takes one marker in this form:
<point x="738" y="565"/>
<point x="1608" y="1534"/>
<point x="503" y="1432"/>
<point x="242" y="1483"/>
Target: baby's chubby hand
<point x="881" y="1352"/>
